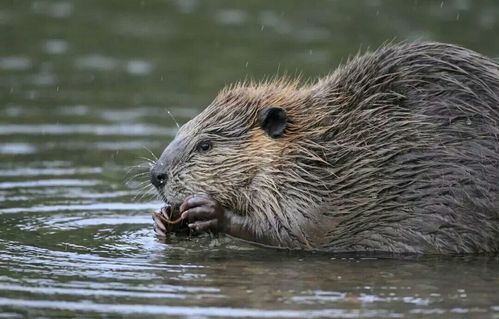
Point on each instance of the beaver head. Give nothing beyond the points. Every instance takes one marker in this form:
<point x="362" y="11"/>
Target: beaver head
<point x="244" y="151"/>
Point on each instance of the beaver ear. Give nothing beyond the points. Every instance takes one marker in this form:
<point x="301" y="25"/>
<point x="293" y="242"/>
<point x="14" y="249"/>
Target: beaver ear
<point x="273" y="120"/>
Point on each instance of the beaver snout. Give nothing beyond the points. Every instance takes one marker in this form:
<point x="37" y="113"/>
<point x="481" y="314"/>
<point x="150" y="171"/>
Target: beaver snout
<point x="167" y="160"/>
<point x="158" y="177"/>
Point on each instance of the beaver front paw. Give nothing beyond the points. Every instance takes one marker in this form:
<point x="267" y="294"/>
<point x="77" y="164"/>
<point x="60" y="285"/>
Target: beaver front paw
<point x="202" y="214"/>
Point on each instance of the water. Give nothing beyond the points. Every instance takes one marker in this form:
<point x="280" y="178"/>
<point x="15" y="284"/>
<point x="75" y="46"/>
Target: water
<point x="85" y="91"/>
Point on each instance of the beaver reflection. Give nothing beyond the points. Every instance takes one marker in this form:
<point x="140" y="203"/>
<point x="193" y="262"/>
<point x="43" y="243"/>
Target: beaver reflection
<point x="395" y="151"/>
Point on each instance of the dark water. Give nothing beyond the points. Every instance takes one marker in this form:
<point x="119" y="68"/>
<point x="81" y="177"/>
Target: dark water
<point x="85" y="91"/>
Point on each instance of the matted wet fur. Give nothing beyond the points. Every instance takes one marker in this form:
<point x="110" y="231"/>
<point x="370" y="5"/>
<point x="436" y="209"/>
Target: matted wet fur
<point x="397" y="150"/>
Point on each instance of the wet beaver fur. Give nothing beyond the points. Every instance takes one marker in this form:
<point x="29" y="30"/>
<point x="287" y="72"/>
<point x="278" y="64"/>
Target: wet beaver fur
<point x="396" y="151"/>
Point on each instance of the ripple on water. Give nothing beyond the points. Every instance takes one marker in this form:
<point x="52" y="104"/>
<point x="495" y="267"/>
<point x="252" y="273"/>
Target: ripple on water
<point x="89" y="207"/>
<point x="139" y="67"/>
<point x="48" y="183"/>
<point x="89" y="129"/>
<point x="231" y="16"/>
<point x="97" y="62"/>
<point x="103" y="63"/>
<point x="55" y="46"/>
<point x="17" y="148"/>
<point x="55" y="9"/>
<point x="71" y="263"/>
<point x="136" y="114"/>
<point x="15" y="63"/>
<point x="227" y="312"/>
<point x="44" y="78"/>
<point x="29" y="171"/>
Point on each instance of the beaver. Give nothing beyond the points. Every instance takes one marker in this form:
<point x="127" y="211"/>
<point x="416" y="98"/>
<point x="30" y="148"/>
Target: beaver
<point x="395" y="151"/>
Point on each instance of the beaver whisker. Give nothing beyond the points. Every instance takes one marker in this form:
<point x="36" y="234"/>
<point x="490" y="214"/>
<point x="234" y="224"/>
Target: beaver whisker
<point x="136" y="176"/>
<point x="155" y="158"/>
<point x="144" y="193"/>
<point x="148" y="162"/>
<point x="173" y="118"/>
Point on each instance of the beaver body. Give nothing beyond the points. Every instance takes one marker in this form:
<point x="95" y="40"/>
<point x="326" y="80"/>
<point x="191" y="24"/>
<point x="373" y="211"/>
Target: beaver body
<point x="397" y="151"/>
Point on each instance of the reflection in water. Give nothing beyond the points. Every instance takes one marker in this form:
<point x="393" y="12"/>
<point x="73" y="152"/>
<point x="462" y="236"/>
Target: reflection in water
<point x="87" y="89"/>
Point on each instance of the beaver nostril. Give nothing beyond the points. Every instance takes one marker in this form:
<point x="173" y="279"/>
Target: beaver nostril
<point x="158" y="180"/>
<point x="162" y="178"/>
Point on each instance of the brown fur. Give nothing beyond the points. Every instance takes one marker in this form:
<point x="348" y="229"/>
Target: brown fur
<point x="398" y="150"/>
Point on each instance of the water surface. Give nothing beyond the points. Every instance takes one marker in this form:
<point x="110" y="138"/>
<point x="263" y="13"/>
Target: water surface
<point x="86" y="89"/>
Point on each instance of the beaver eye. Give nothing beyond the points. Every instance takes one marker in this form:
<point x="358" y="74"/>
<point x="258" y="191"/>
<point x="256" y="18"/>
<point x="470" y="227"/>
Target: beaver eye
<point x="204" y="146"/>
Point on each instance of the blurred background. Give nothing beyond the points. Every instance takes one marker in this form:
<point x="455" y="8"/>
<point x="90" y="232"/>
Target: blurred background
<point x="86" y="92"/>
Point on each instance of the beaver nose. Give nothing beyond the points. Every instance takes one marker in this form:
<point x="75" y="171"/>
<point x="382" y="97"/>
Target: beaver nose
<point x="158" y="179"/>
